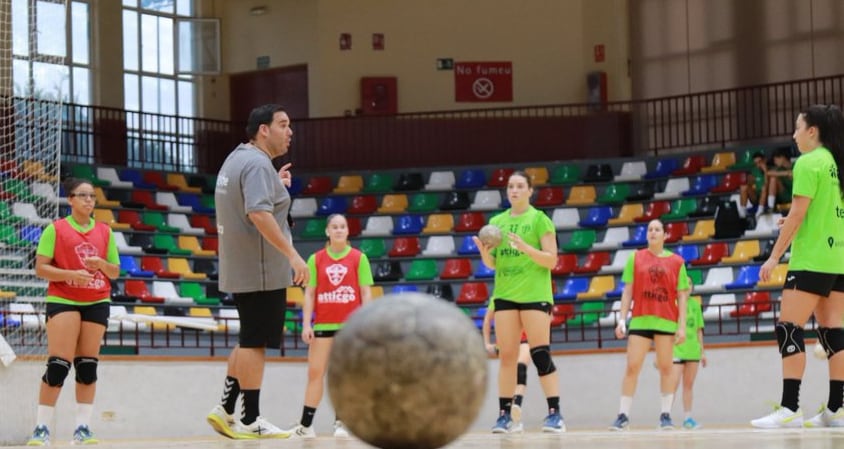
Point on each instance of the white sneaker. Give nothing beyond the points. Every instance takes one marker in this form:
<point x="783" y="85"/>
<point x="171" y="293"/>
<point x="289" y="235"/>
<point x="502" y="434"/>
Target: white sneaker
<point x="518" y="427"/>
<point x="780" y="418"/>
<point x="516" y="412"/>
<point x="340" y="430"/>
<point x="221" y="421"/>
<point x="302" y="432"/>
<point x="261" y="428"/>
<point x="826" y="418"/>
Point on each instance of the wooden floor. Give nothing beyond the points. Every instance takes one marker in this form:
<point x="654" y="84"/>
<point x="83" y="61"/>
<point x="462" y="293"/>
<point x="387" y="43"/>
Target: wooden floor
<point x="723" y="438"/>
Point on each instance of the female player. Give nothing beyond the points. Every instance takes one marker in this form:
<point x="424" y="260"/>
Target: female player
<point x="688" y="357"/>
<point x="521" y="367"/>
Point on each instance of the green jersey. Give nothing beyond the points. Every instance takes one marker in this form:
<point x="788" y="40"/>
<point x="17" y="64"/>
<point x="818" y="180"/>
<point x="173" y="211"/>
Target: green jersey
<point x="517" y="277"/>
<point x="691" y="349"/>
<point x="819" y="243"/>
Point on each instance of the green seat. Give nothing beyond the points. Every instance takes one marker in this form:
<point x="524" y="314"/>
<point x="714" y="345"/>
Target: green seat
<point x="423" y="202"/>
<point x="194" y="290"/>
<point x="208" y="201"/>
<point x="157" y="219"/>
<point x="590" y="313"/>
<point x="167" y="242"/>
<point x="292" y="323"/>
<point x="373" y="248"/>
<point x="314" y="228"/>
<point x="565" y="174"/>
<point x="696" y="275"/>
<point x="422" y="270"/>
<point x="744" y="161"/>
<point x="680" y="209"/>
<point x="614" y="194"/>
<point x="21" y="191"/>
<point x="9" y="235"/>
<point x="87" y="172"/>
<point x="581" y="240"/>
<point x="379" y="182"/>
<point x="6" y="214"/>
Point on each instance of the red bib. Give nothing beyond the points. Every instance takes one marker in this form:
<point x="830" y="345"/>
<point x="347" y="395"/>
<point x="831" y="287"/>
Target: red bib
<point x="655" y="285"/>
<point x="337" y="293"/>
<point x="72" y="247"/>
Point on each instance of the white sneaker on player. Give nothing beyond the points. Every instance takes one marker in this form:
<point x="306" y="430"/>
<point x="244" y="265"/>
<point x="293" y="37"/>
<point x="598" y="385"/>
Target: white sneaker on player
<point x="780" y="418"/>
<point x="261" y="428"/>
<point x="340" y="430"/>
<point x="302" y="432"/>
<point x="221" y="421"/>
<point x="826" y="418"/>
<point x="517" y="427"/>
<point x="516" y="412"/>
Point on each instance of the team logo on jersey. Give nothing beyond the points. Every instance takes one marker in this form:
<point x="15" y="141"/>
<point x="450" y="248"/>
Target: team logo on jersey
<point x="336" y="273"/>
<point x="83" y="251"/>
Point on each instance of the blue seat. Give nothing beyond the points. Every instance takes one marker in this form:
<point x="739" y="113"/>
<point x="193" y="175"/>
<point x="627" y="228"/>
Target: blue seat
<point x="471" y="179"/>
<point x="619" y="288"/>
<point x="192" y="200"/>
<point x="639" y="237"/>
<point x="9" y="321"/>
<point x="687" y="252"/>
<point x="478" y="317"/>
<point x="135" y="177"/>
<point x="409" y="225"/>
<point x="401" y="288"/>
<point x="571" y="288"/>
<point x="747" y="278"/>
<point x="505" y="203"/>
<point x="31" y="233"/>
<point x="701" y="185"/>
<point x="468" y="247"/>
<point x="483" y="271"/>
<point x="127" y="264"/>
<point x="332" y="205"/>
<point x="596" y="217"/>
<point x="663" y="169"/>
<point x="296" y="186"/>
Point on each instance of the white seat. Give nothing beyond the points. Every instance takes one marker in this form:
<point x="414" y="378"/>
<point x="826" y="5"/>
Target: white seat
<point x="181" y="221"/>
<point x="25" y="313"/>
<point x="674" y="188"/>
<point x="230" y="318"/>
<point x="486" y="200"/>
<point x="719" y="306"/>
<point x="618" y="262"/>
<point x="303" y="207"/>
<point x="613" y="238"/>
<point x="47" y="191"/>
<point x="117" y="321"/>
<point x="123" y="247"/>
<point x="440" y="180"/>
<point x="632" y="171"/>
<point x="766" y="226"/>
<point x="611" y="319"/>
<point x="169" y="200"/>
<point x="439" y="245"/>
<point x="27" y="211"/>
<point x="565" y="218"/>
<point x="378" y="226"/>
<point x="167" y="291"/>
<point x="110" y="174"/>
<point x="715" y="280"/>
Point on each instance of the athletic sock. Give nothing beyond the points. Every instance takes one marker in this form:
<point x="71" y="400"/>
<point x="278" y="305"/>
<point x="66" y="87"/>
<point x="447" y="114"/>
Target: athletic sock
<point x="307" y="416"/>
<point x="836" y="395"/>
<point x="231" y="389"/>
<point x="791" y="394"/>
<point x="251" y="411"/>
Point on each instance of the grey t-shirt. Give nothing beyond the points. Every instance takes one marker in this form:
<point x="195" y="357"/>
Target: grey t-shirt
<point x="247" y="182"/>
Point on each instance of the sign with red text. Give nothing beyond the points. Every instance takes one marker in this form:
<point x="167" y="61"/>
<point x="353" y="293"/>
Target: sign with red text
<point x="483" y="81"/>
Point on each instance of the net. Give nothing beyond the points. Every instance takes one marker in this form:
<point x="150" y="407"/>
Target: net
<point x="31" y="93"/>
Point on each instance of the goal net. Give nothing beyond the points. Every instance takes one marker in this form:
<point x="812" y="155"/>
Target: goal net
<point x="31" y="94"/>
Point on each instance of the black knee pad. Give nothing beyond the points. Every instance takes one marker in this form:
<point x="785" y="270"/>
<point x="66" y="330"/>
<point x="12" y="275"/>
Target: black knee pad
<point x="521" y="374"/>
<point x="541" y="356"/>
<point x="57" y="369"/>
<point x="789" y="338"/>
<point x="86" y="369"/>
<point x="832" y="339"/>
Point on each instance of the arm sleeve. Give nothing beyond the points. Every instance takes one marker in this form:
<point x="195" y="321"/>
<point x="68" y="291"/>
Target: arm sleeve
<point x="805" y="180"/>
<point x="364" y="271"/>
<point x="629" y="269"/>
<point x="312" y="269"/>
<point x="112" y="255"/>
<point x="683" y="278"/>
<point x="544" y="225"/>
<point x="47" y="242"/>
<point x="257" y="184"/>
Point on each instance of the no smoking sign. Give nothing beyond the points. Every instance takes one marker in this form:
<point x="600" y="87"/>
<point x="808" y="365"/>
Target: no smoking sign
<point x="483" y="81"/>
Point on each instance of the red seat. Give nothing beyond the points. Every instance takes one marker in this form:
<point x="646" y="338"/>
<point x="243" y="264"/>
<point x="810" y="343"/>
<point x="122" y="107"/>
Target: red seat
<point x="712" y="254"/>
<point x="138" y="289"/>
<point x="145" y="197"/>
<point x="9" y="168"/>
<point x="594" y="262"/>
<point x="204" y="222"/>
<point x="690" y="166"/>
<point x="731" y="182"/>
<point x="456" y="269"/>
<point x="566" y="263"/>
<point x="154" y="264"/>
<point x="561" y="313"/>
<point x="655" y="210"/>
<point x="133" y="219"/>
<point x="675" y="231"/>
<point x="754" y="304"/>
<point x="354" y="226"/>
<point x="405" y="247"/>
<point x="318" y="185"/>
<point x="472" y="293"/>
<point x="211" y="244"/>
<point x="549" y="196"/>
<point x="363" y="204"/>
<point x="157" y="178"/>
<point x="499" y="177"/>
<point x="470" y="222"/>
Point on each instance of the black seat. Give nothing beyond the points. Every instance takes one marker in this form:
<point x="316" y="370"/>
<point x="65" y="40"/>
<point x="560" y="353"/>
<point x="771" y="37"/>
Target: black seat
<point x="765" y="253"/>
<point x="706" y="208"/>
<point x="598" y="173"/>
<point x="387" y="271"/>
<point x="441" y="291"/>
<point x="455" y="201"/>
<point x="409" y="181"/>
<point x="643" y="192"/>
<point x="124" y="196"/>
<point x="201" y="182"/>
<point x="118" y="296"/>
<point x="208" y="267"/>
<point x="145" y="242"/>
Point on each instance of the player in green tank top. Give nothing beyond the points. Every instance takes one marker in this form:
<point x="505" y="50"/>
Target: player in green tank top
<point x="688" y="357"/>
<point x="779" y="180"/>
<point x="814" y="227"/>
<point x="754" y="188"/>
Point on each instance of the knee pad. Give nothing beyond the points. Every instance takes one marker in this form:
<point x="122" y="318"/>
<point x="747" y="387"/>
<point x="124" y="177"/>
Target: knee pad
<point x="541" y="356"/>
<point x="521" y="374"/>
<point x="57" y="369"/>
<point x="832" y="340"/>
<point x="86" y="369"/>
<point x="789" y="339"/>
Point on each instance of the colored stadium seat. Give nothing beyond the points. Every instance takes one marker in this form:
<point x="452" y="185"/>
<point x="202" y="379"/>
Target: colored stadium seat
<point x="680" y="209"/>
<point x="596" y="217"/>
<point x="639" y="237"/>
<point x="138" y="289"/>
<point x="631" y="171"/>
<point x="110" y="174"/>
<point x="565" y="174"/>
<point x="441" y="291"/>
<point x="373" y="247"/>
<point x="720" y="306"/>
<point x="393" y="203"/>
<point x="155" y="265"/>
<point x="674" y="188"/>
<point x="470" y="222"/>
<point x="581" y="195"/>
<point x="654" y="211"/>
<point x="166" y="242"/>
<point x="590" y="313"/>
<point x="720" y="162"/>
<point x="318" y="185"/>
<point x="730" y="182"/>
<point x="471" y="179"/>
<point x="613" y="238"/>
<point x="107" y="217"/>
<point x="404" y="247"/>
<point x="571" y="288"/>
<point x="468" y="247"/>
<point x="408" y="182"/>
<point x="675" y="231"/>
<point x="549" y="197"/>
<point x="619" y="260"/>
<point x="614" y="194"/>
<point x="581" y="240"/>
<point x="179" y="180"/>
<point x="378" y="183"/>
<point x="486" y="200"/>
<point x="705" y="208"/>
<point x="744" y="161"/>
<point x="156" y="219"/>
<point x="332" y="205"/>
<point x="701" y="185"/>
<point x="499" y="177"/>
<point x="145" y="197"/>
<point x="456" y="269"/>
<point x="691" y="165"/>
<point x="598" y="173"/>
<point x="168" y="199"/>
<point x="167" y="290"/>
<point x="747" y="277"/>
<point x="123" y="246"/>
<point x="349" y="184"/>
<point x="663" y="169"/>
<point x="712" y="254"/>
<point x="565" y="218"/>
<point x="593" y="262"/>
<point x="716" y="278"/>
<point x="704" y="230"/>
<point x="777" y="278"/>
<point x="180" y="221"/>
<point x="133" y="219"/>
<point x="192" y="200"/>
<point x="687" y="252"/>
<point x="566" y="263"/>
<point x="537" y="175"/>
<point x="363" y="204"/>
<point x="423" y="202"/>
<point x="483" y="272"/>
<point x="314" y="228"/>
<point x="642" y="192"/>
<point x="422" y="270"/>
<point x="439" y="245"/>
<point x="754" y="303"/>
<point x="627" y="214"/>
<point x="303" y="207"/>
<point x="378" y="226"/>
<point x="387" y="271"/>
<point x="473" y="293"/>
<point x="409" y="225"/>
<point x="744" y="251"/>
<point x="439" y="224"/>
<point x="83" y="171"/>
<point x="131" y="268"/>
<point x="181" y="266"/>
<point x="157" y="178"/>
<point x="455" y="201"/>
<point x="440" y="180"/>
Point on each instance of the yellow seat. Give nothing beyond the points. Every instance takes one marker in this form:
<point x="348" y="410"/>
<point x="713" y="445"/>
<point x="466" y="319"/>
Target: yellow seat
<point x="391" y="203"/>
<point x="190" y="242"/>
<point x="777" y="278"/>
<point x="582" y="195"/>
<point x="349" y="184"/>
<point x="295" y="296"/>
<point x="627" y="213"/>
<point x="35" y="169"/>
<point x="102" y="201"/>
<point x="704" y="230"/>
<point x="720" y="162"/>
<point x="7" y="295"/>
<point x="598" y="287"/>
<point x="743" y="251"/>
<point x="439" y="224"/>
<point x="149" y="310"/>
<point x="178" y="180"/>
<point x="181" y="266"/>
<point x="377" y="291"/>
<point x="538" y="175"/>
<point x="200" y="312"/>
<point x="107" y="217"/>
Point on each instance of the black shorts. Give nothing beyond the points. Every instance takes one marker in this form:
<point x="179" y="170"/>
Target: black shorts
<point x="93" y="313"/>
<point x="505" y="304"/>
<point x="683" y="362"/>
<point x="325" y="334"/>
<point x="261" y="318"/>
<point x="648" y="333"/>
<point x="813" y="282"/>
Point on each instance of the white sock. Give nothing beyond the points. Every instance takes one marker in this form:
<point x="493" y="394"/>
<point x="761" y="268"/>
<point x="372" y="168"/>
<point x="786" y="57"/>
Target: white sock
<point x="667" y="400"/>
<point x="688" y="414"/>
<point x="83" y="414"/>
<point x="771" y="201"/>
<point x="44" y="416"/>
<point x="626" y="404"/>
<point x="742" y="212"/>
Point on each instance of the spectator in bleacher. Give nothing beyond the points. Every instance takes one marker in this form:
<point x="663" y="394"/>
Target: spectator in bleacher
<point x="814" y="284"/>
<point x="77" y="256"/>
<point x="656" y="283"/>
<point x="521" y="367"/>
<point x="255" y="263"/>
<point x="341" y="281"/>
<point x="688" y="357"/>
<point x="523" y="299"/>
<point x="754" y="188"/>
<point x="779" y="179"/>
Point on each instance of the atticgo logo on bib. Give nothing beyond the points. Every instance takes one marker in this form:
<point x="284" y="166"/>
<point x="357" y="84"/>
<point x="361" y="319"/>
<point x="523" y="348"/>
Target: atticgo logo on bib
<point x="342" y="295"/>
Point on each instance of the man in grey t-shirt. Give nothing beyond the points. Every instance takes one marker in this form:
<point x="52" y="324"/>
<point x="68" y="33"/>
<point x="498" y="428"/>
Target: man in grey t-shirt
<point x="255" y="263"/>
